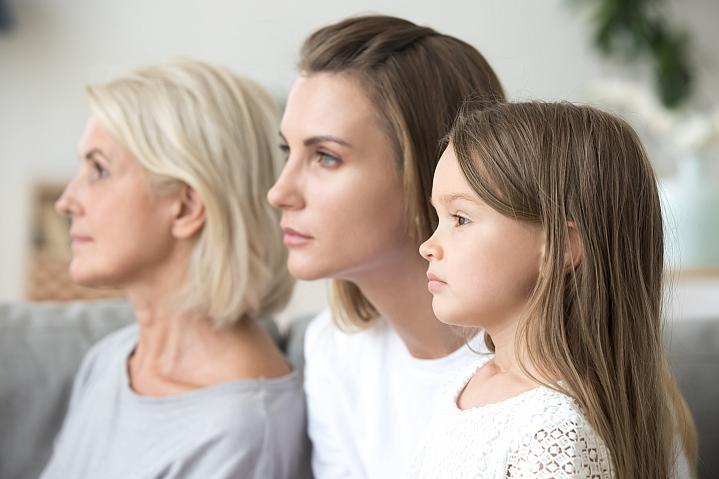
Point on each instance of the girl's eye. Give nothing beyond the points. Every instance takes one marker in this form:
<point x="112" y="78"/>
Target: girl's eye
<point x="285" y="149"/>
<point x="460" y="220"/>
<point x="326" y="160"/>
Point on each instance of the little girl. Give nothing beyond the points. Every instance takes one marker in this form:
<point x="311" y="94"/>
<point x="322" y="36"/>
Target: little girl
<point x="550" y="238"/>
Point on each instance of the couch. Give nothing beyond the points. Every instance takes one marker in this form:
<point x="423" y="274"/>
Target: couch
<point x="41" y="346"/>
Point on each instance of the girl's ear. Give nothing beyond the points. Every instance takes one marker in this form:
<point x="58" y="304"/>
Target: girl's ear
<point x="189" y="213"/>
<point x="575" y="250"/>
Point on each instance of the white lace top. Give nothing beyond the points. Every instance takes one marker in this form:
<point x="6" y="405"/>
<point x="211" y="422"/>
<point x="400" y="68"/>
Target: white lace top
<point x="540" y="433"/>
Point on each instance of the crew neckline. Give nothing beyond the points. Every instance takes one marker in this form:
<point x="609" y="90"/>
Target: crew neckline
<point x="287" y="381"/>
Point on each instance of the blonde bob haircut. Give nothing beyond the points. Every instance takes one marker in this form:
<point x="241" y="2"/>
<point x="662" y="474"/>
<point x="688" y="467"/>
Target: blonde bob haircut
<point x="188" y="122"/>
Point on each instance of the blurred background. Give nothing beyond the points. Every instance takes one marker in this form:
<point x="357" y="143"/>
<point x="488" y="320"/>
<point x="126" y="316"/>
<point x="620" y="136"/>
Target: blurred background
<point x="669" y="90"/>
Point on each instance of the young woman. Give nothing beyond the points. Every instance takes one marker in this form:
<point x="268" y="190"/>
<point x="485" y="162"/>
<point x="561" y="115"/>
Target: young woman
<point x="168" y="204"/>
<point x="550" y="239"/>
<point x="361" y="132"/>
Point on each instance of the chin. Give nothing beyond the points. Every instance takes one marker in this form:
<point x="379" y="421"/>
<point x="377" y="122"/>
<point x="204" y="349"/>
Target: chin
<point x="308" y="267"/>
<point x="304" y="271"/>
<point x="453" y="316"/>
<point x="88" y="278"/>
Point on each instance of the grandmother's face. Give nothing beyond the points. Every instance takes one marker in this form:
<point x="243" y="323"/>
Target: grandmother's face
<point x="121" y="226"/>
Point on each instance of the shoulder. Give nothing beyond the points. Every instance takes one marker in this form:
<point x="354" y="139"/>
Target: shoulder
<point x="268" y="418"/>
<point x="458" y="381"/>
<point x="553" y="414"/>
<point x="555" y="439"/>
<point x="238" y="410"/>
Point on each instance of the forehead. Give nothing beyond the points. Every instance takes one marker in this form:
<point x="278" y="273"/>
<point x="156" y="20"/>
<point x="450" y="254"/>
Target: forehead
<point x="327" y="103"/>
<point x="96" y="136"/>
<point x="448" y="177"/>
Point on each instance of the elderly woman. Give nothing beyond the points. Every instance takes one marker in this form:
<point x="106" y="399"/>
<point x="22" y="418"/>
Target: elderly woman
<point x="168" y="204"/>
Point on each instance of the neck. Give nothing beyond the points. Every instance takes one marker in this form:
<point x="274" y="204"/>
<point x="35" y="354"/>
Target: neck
<point x="172" y="339"/>
<point x="398" y="290"/>
<point x="503" y="337"/>
<point x="507" y="358"/>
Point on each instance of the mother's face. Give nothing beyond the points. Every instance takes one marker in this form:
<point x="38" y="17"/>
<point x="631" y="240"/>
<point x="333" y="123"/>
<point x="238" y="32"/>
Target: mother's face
<point x="121" y="227"/>
<point x="340" y="192"/>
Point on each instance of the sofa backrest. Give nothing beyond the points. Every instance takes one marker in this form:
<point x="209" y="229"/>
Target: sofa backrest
<point x="693" y="346"/>
<point x="41" y="346"/>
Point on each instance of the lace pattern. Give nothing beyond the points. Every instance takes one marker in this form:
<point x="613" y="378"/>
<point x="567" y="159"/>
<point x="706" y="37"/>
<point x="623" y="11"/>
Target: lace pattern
<point x="540" y="433"/>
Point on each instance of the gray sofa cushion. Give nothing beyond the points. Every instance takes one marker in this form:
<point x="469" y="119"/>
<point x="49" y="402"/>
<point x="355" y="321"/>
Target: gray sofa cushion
<point x="41" y="346"/>
<point x="694" y="357"/>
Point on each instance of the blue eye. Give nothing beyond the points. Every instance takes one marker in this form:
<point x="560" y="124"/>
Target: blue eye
<point x="327" y="160"/>
<point x="99" y="171"/>
<point x="460" y="220"/>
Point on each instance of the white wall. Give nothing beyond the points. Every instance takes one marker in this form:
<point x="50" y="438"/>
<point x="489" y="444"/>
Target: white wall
<point x="540" y="49"/>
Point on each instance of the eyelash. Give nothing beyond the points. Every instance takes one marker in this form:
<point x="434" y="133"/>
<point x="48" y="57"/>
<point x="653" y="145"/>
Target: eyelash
<point x="458" y="220"/>
<point x="323" y="158"/>
<point x="285" y="149"/>
<point x="100" y="171"/>
<point x="326" y="160"/>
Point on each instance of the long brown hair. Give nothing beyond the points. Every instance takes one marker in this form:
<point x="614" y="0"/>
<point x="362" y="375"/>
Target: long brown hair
<point x="597" y="327"/>
<point x="417" y="80"/>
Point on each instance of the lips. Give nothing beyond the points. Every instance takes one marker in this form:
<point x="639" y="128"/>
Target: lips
<point x="293" y="238"/>
<point x="434" y="282"/>
<point x="80" y="239"/>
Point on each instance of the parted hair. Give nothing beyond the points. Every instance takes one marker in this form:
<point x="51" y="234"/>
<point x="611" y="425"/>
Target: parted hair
<point x="189" y="122"/>
<point x="416" y="78"/>
<point x="597" y="327"/>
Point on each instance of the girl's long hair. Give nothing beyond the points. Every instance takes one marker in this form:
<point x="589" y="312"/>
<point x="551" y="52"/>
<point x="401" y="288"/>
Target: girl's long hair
<point x="598" y="327"/>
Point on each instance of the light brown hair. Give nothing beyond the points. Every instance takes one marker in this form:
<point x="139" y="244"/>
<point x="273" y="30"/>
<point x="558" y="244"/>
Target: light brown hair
<point x="417" y="80"/>
<point x="597" y="327"/>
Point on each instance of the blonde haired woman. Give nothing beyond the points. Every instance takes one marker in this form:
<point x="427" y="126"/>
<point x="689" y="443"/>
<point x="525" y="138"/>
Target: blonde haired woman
<point x="168" y="204"/>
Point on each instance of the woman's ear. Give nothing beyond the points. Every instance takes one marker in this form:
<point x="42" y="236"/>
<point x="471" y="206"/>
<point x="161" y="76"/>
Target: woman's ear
<point x="189" y="213"/>
<point x="575" y="250"/>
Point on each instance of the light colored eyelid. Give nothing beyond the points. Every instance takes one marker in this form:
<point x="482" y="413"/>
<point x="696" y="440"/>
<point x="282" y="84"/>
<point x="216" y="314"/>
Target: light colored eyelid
<point x="330" y="156"/>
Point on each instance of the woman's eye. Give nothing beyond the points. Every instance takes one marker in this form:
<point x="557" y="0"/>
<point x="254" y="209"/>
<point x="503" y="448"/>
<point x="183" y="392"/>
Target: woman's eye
<point x="460" y="220"/>
<point x="327" y="160"/>
<point x="99" y="171"/>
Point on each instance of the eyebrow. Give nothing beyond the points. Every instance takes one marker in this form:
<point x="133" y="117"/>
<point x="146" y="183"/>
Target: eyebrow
<point x="321" y="139"/>
<point x="90" y="155"/>
<point x="452" y="197"/>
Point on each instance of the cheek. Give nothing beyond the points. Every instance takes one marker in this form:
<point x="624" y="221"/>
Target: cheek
<point x="355" y="224"/>
<point x="489" y="281"/>
<point x="128" y="239"/>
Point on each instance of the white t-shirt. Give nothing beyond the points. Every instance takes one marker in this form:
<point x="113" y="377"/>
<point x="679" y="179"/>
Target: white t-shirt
<point x="369" y="401"/>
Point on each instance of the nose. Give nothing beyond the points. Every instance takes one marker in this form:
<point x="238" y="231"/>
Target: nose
<point x="67" y="204"/>
<point x="287" y="192"/>
<point x="430" y="249"/>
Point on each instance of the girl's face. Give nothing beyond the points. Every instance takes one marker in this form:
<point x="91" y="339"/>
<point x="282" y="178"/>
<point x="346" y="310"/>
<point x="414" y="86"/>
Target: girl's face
<point x="121" y="228"/>
<point x="340" y="192"/>
<point x="482" y="265"/>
